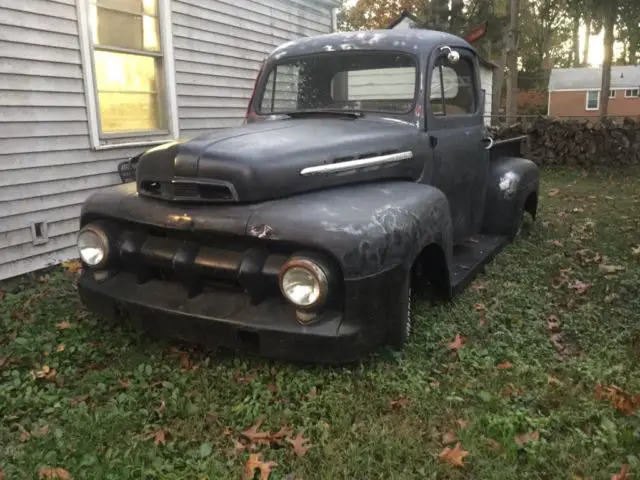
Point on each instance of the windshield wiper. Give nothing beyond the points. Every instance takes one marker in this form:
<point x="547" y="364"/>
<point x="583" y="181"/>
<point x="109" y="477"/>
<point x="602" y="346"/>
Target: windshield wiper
<point x="319" y="111"/>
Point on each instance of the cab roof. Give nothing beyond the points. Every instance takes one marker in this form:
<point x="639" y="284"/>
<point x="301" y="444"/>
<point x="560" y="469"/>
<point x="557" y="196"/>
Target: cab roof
<point x="410" y="41"/>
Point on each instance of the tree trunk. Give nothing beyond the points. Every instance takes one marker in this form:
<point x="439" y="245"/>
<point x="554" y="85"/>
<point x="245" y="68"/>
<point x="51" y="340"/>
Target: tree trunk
<point x="634" y="42"/>
<point x="611" y="10"/>
<point x="576" y="41"/>
<point x="498" y="82"/>
<point x="457" y="19"/>
<point x="512" y="62"/>
<point x="585" y="52"/>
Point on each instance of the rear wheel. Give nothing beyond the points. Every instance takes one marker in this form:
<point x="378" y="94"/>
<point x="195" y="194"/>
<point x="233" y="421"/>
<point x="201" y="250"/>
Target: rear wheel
<point x="402" y="325"/>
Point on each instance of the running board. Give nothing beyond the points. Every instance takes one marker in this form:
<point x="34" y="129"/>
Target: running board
<point x="470" y="258"/>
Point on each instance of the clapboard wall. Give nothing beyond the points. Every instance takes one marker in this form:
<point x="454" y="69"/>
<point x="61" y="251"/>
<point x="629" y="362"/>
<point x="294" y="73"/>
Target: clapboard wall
<point x="47" y="167"/>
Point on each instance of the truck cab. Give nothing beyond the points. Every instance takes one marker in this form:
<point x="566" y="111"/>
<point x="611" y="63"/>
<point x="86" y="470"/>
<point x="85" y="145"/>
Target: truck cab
<point x="363" y="169"/>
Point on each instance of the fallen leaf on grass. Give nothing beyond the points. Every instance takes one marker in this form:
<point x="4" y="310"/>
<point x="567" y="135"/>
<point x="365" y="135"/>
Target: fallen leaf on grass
<point x="255" y="463"/>
<point x="493" y="445"/>
<point x="478" y="286"/>
<point x="401" y="402"/>
<point x="511" y="391"/>
<point x="618" y="398"/>
<point x="453" y="456"/>
<point x="557" y="243"/>
<point x="457" y="343"/>
<point x="553" y="192"/>
<point x="186" y="364"/>
<point x="64" y="325"/>
<point x="159" y="437"/>
<point x="611" y="298"/>
<point x="635" y="250"/>
<point x="449" y="437"/>
<point x="46" y="473"/>
<point x="81" y="399"/>
<point x="46" y="373"/>
<point x="504" y="365"/>
<point x="161" y="409"/>
<point x="623" y="474"/>
<point x="124" y="383"/>
<point x="463" y="424"/>
<point x="580" y="287"/>
<point x="244" y="379"/>
<point x="60" y="348"/>
<point x="3" y="476"/>
<point x="298" y="444"/>
<point x="254" y="436"/>
<point x="313" y="393"/>
<point x="272" y="387"/>
<point x="72" y="266"/>
<point x="527" y="437"/>
<point x="553" y="324"/>
<point x="611" y="269"/>
<point x="38" y="432"/>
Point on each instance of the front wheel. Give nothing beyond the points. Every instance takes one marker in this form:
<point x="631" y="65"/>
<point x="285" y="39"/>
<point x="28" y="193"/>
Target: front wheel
<point x="402" y="323"/>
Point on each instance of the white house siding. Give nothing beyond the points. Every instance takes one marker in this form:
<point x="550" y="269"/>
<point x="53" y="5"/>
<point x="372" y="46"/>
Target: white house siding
<point x="219" y="47"/>
<point x="486" y="82"/>
<point x="47" y="167"/>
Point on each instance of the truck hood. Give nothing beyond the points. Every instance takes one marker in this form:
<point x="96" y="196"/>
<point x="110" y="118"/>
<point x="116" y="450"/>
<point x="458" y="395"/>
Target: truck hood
<point x="265" y="160"/>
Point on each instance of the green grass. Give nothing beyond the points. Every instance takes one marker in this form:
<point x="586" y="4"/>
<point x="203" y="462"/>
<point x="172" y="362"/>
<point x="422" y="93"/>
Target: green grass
<point x="88" y="423"/>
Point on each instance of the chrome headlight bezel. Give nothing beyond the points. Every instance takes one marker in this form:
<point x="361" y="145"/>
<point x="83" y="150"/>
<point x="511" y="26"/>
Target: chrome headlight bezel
<point x="316" y="272"/>
<point x="103" y="243"/>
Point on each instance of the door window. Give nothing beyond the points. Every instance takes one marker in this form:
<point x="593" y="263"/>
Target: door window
<point x="452" y="89"/>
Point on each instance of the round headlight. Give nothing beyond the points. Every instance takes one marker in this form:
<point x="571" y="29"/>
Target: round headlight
<point x="304" y="283"/>
<point x="93" y="246"/>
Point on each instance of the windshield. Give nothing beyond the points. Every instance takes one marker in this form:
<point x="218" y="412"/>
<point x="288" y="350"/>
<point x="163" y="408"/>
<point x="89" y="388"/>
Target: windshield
<point x="350" y="81"/>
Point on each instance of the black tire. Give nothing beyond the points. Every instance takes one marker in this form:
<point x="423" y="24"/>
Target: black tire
<point x="402" y="323"/>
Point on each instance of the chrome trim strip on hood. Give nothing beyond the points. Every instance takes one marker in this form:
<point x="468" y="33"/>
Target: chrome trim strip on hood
<point x="353" y="164"/>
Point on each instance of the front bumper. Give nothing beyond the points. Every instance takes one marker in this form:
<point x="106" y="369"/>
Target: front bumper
<point x="227" y="318"/>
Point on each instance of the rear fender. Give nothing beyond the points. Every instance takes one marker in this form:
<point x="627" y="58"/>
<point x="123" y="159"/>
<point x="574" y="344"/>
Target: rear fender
<point x="511" y="181"/>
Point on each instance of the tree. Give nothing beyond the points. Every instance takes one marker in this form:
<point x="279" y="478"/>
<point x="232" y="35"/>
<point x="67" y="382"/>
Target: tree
<point x="512" y="61"/>
<point x="610" y="11"/>
<point x="375" y="14"/>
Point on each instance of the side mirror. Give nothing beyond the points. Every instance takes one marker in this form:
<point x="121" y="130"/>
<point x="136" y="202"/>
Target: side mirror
<point x="453" y="57"/>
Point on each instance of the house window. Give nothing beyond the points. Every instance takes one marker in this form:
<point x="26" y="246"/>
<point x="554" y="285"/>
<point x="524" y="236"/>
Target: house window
<point x="131" y="92"/>
<point x="612" y="94"/>
<point x="593" y="100"/>
<point x="632" y="93"/>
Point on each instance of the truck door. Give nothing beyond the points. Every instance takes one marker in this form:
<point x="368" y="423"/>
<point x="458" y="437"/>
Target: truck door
<point x="457" y="136"/>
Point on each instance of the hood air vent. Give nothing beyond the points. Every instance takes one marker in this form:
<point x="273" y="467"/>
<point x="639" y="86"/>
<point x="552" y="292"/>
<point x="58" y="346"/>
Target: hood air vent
<point x="184" y="191"/>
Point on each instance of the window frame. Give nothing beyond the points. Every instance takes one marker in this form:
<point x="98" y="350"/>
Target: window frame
<point x="627" y="95"/>
<point x="597" y="107"/>
<point x="269" y="67"/>
<point x="168" y="98"/>
<point x="432" y="121"/>
<point x="613" y="93"/>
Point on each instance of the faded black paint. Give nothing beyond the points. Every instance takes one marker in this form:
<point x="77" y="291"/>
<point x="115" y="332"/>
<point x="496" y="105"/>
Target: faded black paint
<point x="372" y="223"/>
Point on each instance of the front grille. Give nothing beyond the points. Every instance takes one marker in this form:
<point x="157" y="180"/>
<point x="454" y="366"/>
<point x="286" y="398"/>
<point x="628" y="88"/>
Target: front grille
<point x="189" y="191"/>
<point x="238" y="268"/>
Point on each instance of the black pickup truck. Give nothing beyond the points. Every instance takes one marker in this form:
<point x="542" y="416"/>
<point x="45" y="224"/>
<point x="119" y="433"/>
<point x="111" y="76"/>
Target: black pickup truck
<point x="364" y="168"/>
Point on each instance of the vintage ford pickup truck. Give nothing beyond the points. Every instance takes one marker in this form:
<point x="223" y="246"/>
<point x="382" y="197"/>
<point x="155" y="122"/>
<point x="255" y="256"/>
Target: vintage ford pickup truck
<point x="364" y="168"/>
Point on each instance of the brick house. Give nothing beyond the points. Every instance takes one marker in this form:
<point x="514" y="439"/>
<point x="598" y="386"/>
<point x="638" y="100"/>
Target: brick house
<point x="575" y="92"/>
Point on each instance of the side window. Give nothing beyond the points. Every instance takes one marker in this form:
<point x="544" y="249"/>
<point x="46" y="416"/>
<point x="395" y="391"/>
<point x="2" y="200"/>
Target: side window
<point x="281" y="91"/>
<point x="452" y="90"/>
